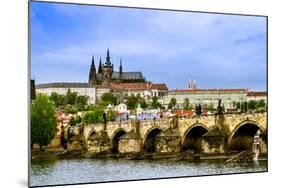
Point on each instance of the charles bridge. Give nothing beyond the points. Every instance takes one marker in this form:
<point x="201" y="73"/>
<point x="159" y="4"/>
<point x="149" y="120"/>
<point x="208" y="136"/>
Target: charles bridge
<point x="211" y="134"/>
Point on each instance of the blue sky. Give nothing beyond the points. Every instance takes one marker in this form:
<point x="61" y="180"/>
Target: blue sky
<point x="220" y="51"/>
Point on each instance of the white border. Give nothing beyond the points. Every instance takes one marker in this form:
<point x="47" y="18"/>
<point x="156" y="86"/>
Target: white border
<point x="13" y="72"/>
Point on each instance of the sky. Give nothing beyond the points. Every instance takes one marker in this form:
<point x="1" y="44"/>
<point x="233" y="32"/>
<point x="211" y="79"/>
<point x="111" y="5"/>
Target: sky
<point x="218" y="50"/>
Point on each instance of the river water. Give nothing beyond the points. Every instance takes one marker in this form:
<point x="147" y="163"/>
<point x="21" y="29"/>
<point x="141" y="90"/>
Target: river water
<point x="71" y="171"/>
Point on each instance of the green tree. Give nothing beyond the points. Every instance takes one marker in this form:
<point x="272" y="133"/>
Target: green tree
<point x="186" y="104"/>
<point x="238" y="106"/>
<point x="155" y="104"/>
<point x="58" y="99"/>
<point x="82" y="99"/>
<point x="93" y="116"/>
<point x="75" y="120"/>
<point x="252" y="104"/>
<point x="108" y="98"/>
<point x="43" y="121"/>
<point x="71" y="97"/>
<point x="142" y="103"/>
<point x="132" y="102"/>
<point x="261" y="104"/>
<point x="111" y="115"/>
<point x="170" y="106"/>
<point x="173" y="102"/>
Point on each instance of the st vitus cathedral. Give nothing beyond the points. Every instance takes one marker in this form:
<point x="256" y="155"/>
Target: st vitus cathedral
<point x="105" y="75"/>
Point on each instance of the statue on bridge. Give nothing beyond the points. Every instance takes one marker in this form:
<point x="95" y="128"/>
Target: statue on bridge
<point x="198" y="110"/>
<point x="219" y="108"/>
<point x="104" y="120"/>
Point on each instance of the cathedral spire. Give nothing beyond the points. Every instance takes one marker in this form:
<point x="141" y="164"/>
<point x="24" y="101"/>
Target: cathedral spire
<point x="100" y="69"/>
<point x="120" y="66"/>
<point x="108" y="57"/>
<point x="92" y="73"/>
<point x="93" y="63"/>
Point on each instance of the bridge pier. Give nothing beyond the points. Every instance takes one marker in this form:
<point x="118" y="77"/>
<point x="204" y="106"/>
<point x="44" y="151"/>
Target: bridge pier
<point x="98" y="142"/>
<point x="168" y="141"/>
<point x="214" y="142"/>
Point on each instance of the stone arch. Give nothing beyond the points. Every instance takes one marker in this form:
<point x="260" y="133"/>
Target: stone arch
<point x="150" y="138"/>
<point x="92" y="131"/>
<point x="116" y="138"/>
<point x="192" y="137"/>
<point x="241" y="138"/>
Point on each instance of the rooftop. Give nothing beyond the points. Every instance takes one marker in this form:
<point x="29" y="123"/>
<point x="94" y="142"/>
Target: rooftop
<point x="207" y="90"/>
<point x="257" y="94"/>
<point x="139" y="86"/>
<point x="64" y="85"/>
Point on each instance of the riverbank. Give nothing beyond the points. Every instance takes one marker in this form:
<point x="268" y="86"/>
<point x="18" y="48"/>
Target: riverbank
<point x="61" y="153"/>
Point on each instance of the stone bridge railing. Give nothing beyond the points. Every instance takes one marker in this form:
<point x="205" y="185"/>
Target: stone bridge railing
<point x="178" y="128"/>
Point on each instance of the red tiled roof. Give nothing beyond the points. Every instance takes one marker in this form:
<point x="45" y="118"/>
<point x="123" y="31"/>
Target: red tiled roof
<point x="183" y="112"/>
<point x="208" y="90"/>
<point x="257" y="94"/>
<point x="159" y="86"/>
<point x="138" y="86"/>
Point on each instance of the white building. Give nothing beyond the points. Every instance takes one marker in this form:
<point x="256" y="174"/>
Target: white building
<point x="62" y="88"/>
<point x="121" y="108"/>
<point x="257" y="96"/>
<point x="207" y="97"/>
<point x="142" y="90"/>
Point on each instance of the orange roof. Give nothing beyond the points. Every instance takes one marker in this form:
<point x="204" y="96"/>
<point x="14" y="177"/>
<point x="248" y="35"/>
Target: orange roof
<point x="208" y="90"/>
<point x="159" y="86"/>
<point x="183" y="112"/>
<point x="138" y="86"/>
<point x="257" y="94"/>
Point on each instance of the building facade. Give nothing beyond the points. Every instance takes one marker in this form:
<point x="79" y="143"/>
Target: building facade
<point x="62" y="88"/>
<point x="257" y="96"/>
<point x="207" y="97"/>
<point x="142" y="90"/>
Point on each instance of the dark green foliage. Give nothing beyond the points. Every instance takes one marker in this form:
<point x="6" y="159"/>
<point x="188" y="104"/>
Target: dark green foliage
<point x="132" y="102"/>
<point x="43" y="121"/>
<point x="261" y="104"/>
<point x="238" y="106"/>
<point x="186" y="104"/>
<point x="70" y="109"/>
<point x="155" y="104"/>
<point x="111" y="115"/>
<point x="108" y="98"/>
<point x="58" y="99"/>
<point x="82" y="100"/>
<point x="172" y="103"/>
<point x="252" y="104"/>
<point x="75" y="120"/>
<point x="143" y="103"/>
<point x="71" y="97"/>
<point x="71" y="102"/>
<point x="93" y="116"/>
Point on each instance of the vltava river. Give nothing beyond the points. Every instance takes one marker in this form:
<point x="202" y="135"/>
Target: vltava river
<point x="96" y="170"/>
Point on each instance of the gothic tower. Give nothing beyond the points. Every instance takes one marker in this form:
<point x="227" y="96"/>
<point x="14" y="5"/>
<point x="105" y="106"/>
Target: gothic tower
<point x="92" y="73"/>
<point x="107" y="70"/>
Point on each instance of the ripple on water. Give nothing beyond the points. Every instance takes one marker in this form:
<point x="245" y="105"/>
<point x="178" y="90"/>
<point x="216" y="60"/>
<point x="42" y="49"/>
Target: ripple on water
<point x="95" y="170"/>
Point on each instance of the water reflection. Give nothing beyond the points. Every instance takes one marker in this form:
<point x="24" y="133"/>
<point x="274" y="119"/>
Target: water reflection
<point x="94" y="170"/>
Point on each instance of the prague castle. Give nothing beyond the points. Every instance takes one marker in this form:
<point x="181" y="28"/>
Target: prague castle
<point x="105" y="75"/>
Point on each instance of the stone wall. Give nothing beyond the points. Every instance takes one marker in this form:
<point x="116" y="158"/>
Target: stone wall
<point x="129" y="146"/>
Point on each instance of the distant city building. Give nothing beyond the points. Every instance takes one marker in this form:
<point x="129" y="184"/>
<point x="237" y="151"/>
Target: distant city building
<point x="207" y="97"/>
<point x="142" y="90"/>
<point x="105" y="75"/>
<point x="257" y="95"/>
<point x="62" y="88"/>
